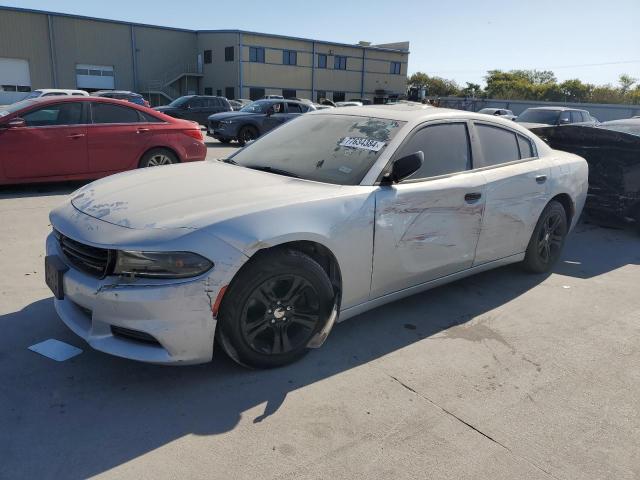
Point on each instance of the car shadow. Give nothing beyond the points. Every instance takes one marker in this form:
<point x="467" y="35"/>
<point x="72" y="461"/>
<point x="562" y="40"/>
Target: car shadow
<point x="94" y="412"/>
<point x="41" y="189"/>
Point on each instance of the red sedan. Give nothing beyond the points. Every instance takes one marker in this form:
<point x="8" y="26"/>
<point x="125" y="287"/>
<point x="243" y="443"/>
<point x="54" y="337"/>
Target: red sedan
<point x="75" y="138"/>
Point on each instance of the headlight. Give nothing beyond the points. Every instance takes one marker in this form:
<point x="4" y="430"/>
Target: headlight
<point x="226" y="122"/>
<point x="160" y="264"/>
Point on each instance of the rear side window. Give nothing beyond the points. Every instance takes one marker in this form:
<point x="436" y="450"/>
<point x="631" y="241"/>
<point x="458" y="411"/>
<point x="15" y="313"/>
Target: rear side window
<point x="294" y="108"/>
<point x="526" y="150"/>
<point x="108" y="113"/>
<point x="68" y="113"/>
<point x="445" y="148"/>
<point x="498" y="145"/>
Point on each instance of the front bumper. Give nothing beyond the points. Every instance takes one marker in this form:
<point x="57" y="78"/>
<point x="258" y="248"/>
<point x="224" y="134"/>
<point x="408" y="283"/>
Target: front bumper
<point x="222" y="131"/>
<point x="175" y="316"/>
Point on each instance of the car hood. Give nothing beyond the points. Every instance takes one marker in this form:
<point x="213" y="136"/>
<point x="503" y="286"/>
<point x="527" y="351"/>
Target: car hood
<point x="165" y="108"/>
<point x="192" y="195"/>
<point x="232" y="114"/>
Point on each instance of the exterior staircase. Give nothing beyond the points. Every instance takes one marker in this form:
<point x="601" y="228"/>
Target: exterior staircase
<point x="169" y="84"/>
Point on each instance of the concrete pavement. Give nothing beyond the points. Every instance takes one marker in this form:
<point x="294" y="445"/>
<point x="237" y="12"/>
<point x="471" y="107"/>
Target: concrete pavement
<point x="504" y="375"/>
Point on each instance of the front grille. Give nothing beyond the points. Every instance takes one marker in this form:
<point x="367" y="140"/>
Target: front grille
<point x="92" y="260"/>
<point x="133" y="335"/>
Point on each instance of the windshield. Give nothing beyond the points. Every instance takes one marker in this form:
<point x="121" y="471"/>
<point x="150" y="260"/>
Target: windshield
<point x="548" y="117"/>
<point x="338" y="149"/>
<point x="256" y="107"/>
<point x="34" y="94"/>
<point x="179" y="101"/>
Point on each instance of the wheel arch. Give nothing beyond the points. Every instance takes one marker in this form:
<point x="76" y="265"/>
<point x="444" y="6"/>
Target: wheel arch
<point x="568" y="204"/>
<point x="159" y="147"/>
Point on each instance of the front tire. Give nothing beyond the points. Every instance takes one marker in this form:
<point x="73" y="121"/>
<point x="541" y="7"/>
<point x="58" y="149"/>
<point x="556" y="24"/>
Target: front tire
<point x="547" y="240"/>
<point x="246" y="134"/>
<point x="224" y="140"/>
<point x="158" y="157"/>
<point x="273" y="308"/>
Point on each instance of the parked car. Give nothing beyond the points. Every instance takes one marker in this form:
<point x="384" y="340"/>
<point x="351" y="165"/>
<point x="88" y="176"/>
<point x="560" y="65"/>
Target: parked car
<point x="324" y="218"/>
<point x="254" y="120"/>
<point x="348" y="104"/>
<point x="122" y="95"/>
<point x="498" y="112"/>
<point x="74" y="138"/>
<point x="363" y="101"/>
<point x="612" y="150"/>
<point x="543" y="116"/>
<point x="55" y="92"/>
<point x="196" y="107"/>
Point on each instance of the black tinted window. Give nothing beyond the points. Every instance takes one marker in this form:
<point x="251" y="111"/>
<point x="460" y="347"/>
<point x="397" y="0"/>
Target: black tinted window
<point x="576" y="117"/>
<point x="445" y="147"/>
<point x="526" y="150"/>
<point x="61" y="114"/>
<point x="498" y="145"/>
<point x="108" y="113"/>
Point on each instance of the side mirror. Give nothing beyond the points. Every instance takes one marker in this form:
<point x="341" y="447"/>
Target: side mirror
<point x="404" y="167"/>
<point x="564" y="121"/>
<point x="16" y="122"/>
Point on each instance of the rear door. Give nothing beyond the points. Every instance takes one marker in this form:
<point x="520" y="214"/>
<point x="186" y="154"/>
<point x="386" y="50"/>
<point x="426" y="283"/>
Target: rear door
<point x="516" y="191"/>
<point x="53" y="142"/>
<point x="427" y="226"/>
<point x="117" y="137"/>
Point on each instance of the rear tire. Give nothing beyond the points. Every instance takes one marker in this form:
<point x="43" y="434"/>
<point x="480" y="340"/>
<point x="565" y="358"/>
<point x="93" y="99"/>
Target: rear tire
<point x="247" y="134"/>
<point x="158" y="157"/>
<point x="273" y="308"/>
<point x="547" y="240"/>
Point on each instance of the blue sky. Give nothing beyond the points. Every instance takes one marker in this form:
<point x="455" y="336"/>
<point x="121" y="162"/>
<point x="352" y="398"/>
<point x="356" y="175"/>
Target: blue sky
<point x="595" y="41"/>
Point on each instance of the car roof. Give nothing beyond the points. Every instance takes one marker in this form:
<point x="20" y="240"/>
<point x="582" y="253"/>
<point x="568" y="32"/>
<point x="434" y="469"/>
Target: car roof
<point x="557" y="109"/>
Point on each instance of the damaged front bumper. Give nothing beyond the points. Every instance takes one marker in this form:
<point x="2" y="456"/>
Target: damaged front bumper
<point x="149" y="320"/>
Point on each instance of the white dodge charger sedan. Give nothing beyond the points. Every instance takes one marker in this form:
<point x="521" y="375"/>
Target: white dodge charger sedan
<point x="332" y="214"/>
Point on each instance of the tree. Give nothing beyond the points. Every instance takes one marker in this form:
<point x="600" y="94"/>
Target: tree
<point x="576" y="91"/>
<point x="435" y="86"/>
<point x="626" y="82"/>
<point x="472" y="90"/>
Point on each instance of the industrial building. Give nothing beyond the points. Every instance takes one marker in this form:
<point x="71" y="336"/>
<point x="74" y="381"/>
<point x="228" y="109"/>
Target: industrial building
<point x="41" y="49"/>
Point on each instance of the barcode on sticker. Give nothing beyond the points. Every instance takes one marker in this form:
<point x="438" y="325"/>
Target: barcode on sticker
<point x="362" y="143"/>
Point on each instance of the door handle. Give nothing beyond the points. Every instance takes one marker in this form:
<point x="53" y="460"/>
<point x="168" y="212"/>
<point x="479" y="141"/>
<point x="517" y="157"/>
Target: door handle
<point x="142" y="130"/>
<point x="472" y="197"/>
<point x="76" y="135"/>
<point x="541" y="178"/>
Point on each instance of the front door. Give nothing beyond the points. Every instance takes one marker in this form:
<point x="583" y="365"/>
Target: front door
<point x="53" y="143"/>
<point x="278" y="116"/>
<point x="427" y="226"/>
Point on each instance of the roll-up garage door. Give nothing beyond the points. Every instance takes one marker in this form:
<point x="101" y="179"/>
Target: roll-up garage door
<point x="95" y="77"/>
<point x="15" y="80"/>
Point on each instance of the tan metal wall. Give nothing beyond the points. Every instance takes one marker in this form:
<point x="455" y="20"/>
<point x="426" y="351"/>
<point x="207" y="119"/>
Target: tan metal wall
<point x="219" y="74"/>
<point x="26" y="36"/>
<point x="92" y="42"/>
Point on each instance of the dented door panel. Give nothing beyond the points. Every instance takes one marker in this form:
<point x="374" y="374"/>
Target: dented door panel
<point x="425" y="230"/>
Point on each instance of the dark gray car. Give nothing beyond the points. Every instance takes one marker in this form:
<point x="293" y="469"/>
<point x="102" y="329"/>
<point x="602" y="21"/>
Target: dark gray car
<point x="254" y="119"/>
<point x="195" y="107"/>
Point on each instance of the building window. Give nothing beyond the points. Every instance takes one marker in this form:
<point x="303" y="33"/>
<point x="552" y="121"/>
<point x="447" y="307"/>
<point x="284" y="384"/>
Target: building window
<point x="208" y="90"/>
<point x="208" y="56"/>
<point x="321" y="95"/>
<point x="340" y="62"/>
<point x="219" y="92"/>
<point x="228" y="54"/>
<point x="395" y="68"/>
<point x="256" y="54"/>
<point x="288" y="93"/>
<point x="289" y="57"/>
<point x="256" y="93"/>
<point x="322" y="60"/>
<point x="338" y="96"/>
<point x="230" y="93"/>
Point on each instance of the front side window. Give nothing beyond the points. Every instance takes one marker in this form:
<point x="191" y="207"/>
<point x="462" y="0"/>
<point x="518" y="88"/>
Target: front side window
<point x="340" y="150"/>
<point x="294" y="107"/>
<point x="565" y="117"/>
<point x="576" y="117"/>
<point x="256" y="54"/>
<point x="289" y="57"/>
<point x="445" y="147"/>
<point x="108" y="113"/>
<point x="68" y="113"/>
<point x="340" y="62"/>
<point x="322" y="60"/>
<point x="498" y="145"/>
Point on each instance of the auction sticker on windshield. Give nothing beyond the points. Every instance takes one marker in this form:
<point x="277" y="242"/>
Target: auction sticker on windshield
<point x="362" y="143"/>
